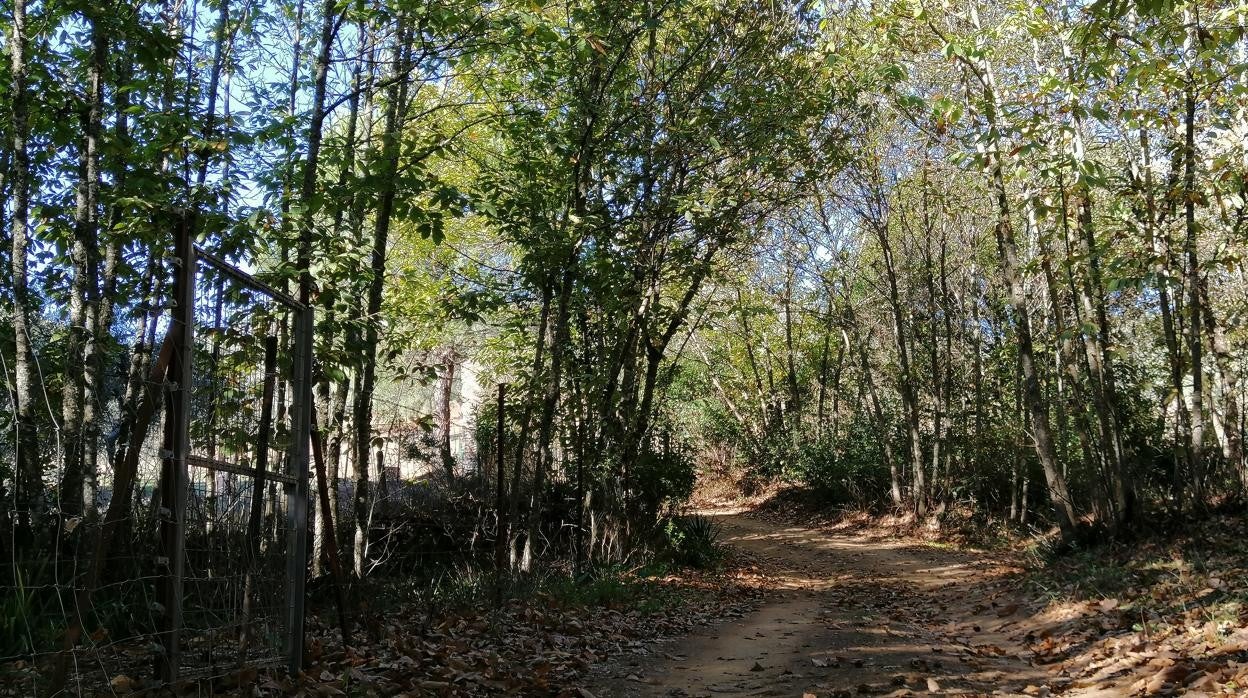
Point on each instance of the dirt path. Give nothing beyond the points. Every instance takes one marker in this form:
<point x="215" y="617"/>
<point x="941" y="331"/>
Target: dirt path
<point x="852" y="615"/>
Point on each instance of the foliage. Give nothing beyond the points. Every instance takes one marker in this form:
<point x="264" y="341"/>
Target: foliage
<point x="690" y="541"/>
<point x="915" y="256"/>
<point x="664" y="480"/>
<point x="848" y="471"/>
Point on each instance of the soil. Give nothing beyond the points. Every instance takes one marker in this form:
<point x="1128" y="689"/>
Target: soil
<point x="851" y="614"/>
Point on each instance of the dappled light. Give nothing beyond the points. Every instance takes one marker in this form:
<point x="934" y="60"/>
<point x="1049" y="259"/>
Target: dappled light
<point x="585" y="348"/>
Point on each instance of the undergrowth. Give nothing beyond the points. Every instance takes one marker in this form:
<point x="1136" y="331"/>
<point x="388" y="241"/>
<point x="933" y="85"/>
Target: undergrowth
<point x="1200" y="566"/>
<point x="690" y="541"/>
<point x="680" y="542"/>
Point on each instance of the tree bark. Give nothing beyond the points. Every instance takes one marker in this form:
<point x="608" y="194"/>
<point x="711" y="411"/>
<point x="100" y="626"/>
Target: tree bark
<point x="84" y="289"/>
<point x="905" y="380"/>
<point x="1008" y="255"/>
<point x="29" y="473"/>
<point x="1191" y="280"/>
<point x="1228" y="384"/>
<point x="442" y="411"/>
<point x="395" y="108"/>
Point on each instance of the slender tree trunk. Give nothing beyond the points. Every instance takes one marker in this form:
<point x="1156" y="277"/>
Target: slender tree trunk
<point x="209" y="131"/>
<point x="1065" y="354"/>
<point x="1228" y="383"/>
<point x="395" y="108"/>
<point x="823" y="374"/>
<point x="1017" y="463"/>
<point x="335" y="455"/>
<point x="1196" y="455"/>
<point x="937" y="374"/>
<point x="1032" y="393"/>
<point x="517" y="475"/>
<point x="760" y="391"/>
<point x="442" y="411"/>
<point x="795" y="405"/>
<point x="977" y="370"/>
<point x="1091" y="294"/>
<point x="80" y="383"/>
<point x="307" y="194"/>
<point x="1160" y="244"/>
<point x="905" y="380"/>
<point x="886" y="441"/>
<point x="254" y="519"/>
<point x="948" y="438"/>
<point x="336" y="415"/>
<point x="1008" y="255"/>
<point x="549" y="404"/>
<point x="877" y="409"/>
<point x="29" y="471"/>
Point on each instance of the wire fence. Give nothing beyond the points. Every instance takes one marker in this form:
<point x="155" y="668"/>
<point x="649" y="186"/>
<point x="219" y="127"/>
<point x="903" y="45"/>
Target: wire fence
<point x="245" y="522"/>
<point x="189" y="565"/>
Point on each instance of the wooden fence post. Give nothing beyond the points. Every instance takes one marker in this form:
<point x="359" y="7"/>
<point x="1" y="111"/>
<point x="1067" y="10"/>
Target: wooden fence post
<point x="174" y="452"/>
<point x="297" y="492"/>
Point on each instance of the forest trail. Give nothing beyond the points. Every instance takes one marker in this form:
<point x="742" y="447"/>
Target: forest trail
<point x="851" y="614"/>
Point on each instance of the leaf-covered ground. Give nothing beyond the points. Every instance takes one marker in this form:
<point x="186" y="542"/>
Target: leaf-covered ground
<point x="538" y="645"/>
<point x="1164" y="615"/>
<point x="847" y="608"/>
<point x="863" y="610"/>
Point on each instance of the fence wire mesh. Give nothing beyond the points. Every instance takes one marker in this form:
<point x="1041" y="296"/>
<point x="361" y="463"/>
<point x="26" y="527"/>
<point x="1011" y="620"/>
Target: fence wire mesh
<point x="95" y="603"/>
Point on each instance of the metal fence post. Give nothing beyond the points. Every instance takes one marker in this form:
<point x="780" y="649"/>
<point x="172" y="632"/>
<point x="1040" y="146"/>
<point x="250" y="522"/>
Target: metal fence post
<point x="175" y="451"/>
<point x="297" y="493"/>
<point x="500" y="538"/>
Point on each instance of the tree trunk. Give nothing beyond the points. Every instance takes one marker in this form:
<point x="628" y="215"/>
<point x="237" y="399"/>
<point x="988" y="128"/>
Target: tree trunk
<point x="1065" y="355"/>
<point x="886" y="441"/>
<point x="307" y="194"/>
<point x="336" y="415"/>
<point x="28" y="494"/>
<point x="1191" y="280"/>
<point x="1228" y="384"/>
<point x="395" y="108"/>
<point x="823" y="374"/>
<point x="550" y="402"/>
<point x="81" y="343"/>
<point x="442" y="411"/>
<point x="1160" y="244"/>
<point x="795" y="404"/>
<point x="905" y="381"/>
<point x="1091" y="294"/>
<point x="1008" y="255"/>
<point x="526" y="419"/>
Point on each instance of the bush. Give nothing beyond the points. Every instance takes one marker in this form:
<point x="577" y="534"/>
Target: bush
<point x="31" y="618"/>
<point x="665" y="480"/>
<point x="691" y="541"/>
<point x="849" y="470"/>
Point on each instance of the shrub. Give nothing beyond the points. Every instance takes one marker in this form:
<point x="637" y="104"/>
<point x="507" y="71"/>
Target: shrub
<point x="665" y="480"/>
<point x="691" y="541"/>
<point x="849" y="470"/>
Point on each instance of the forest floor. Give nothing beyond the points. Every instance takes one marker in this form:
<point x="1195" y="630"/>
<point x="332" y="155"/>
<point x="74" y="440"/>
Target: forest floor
<point x="868" y="611"/>
<point x="841" y="607"/>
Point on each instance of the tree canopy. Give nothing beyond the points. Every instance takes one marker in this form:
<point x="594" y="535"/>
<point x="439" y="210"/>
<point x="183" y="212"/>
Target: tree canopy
<point x="939" y="257"/>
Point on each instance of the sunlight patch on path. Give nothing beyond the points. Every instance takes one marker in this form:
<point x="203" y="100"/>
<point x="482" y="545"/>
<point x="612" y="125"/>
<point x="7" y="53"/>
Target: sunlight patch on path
<point x="850" y="614"/>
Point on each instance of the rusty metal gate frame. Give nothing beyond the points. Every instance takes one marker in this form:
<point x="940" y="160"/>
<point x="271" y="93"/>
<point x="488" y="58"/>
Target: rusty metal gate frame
<point x="176" y="456"/>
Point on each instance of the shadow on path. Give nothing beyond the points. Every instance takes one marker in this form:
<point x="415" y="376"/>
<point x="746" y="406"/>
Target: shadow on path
<point x="850" y="615"/>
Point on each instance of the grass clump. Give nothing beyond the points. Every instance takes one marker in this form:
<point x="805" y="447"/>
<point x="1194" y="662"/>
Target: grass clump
<point x="690" y="541"/>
